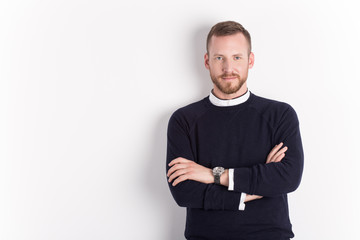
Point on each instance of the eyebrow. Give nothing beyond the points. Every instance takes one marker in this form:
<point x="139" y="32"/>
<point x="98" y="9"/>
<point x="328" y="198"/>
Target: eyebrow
<point x="237" y="54"/>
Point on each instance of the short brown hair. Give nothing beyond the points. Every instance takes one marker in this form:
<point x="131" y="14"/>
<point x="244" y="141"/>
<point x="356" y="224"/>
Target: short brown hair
<point x="225" y="29"/>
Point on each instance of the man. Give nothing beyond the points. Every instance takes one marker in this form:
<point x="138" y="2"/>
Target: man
<point x="226" y="157"/>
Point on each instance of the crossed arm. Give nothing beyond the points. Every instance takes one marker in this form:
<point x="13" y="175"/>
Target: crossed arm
<point x="190" y="185"/>
<point x="182" y="169"/>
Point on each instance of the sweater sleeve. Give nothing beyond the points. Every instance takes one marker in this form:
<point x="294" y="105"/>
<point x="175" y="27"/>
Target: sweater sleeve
<point x="193" y="194"/>
<point x="281" y="177"/>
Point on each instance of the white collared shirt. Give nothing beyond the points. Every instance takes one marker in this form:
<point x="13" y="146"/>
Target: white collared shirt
<point x="228" y="102"/>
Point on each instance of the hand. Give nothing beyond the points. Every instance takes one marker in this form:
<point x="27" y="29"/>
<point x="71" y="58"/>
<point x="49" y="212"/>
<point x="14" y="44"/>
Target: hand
<point x="276" y="154"/>
<point x="182" y="169"/>
<point x="252" y="197"/>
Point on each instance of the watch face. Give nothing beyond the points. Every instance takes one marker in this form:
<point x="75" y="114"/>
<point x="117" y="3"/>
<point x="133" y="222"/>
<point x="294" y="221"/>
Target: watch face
<point x="218" y="170"/>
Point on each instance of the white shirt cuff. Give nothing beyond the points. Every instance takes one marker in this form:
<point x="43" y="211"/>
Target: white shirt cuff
<point x="231" y="179"/>
<point x="242" y="202"/>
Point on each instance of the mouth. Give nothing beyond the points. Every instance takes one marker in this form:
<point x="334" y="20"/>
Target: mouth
<point x="229" y="78"/>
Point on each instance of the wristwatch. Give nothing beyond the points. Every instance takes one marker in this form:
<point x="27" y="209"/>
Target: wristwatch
<point x="217" y="171"/>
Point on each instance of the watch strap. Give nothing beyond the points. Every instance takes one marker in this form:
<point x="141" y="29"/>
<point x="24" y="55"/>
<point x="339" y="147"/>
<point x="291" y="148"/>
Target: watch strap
<point x="217" y="179"/>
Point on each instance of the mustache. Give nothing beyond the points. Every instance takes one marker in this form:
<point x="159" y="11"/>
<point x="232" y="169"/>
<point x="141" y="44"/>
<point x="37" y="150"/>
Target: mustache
<point x="229" y="75"/>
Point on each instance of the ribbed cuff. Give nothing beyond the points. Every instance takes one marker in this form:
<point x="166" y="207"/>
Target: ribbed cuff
<point x="231" y="200"/>
<point x="242" y="179"/>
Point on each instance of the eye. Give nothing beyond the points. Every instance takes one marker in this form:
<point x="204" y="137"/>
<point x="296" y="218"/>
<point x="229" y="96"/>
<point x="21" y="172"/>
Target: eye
<point x="237" y="58"/>
<point x="219" y="58"/>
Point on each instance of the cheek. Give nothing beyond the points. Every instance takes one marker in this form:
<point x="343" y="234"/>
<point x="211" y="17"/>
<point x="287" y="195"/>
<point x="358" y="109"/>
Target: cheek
<point x="215" y="67"/>
<point x="241" y="67"/>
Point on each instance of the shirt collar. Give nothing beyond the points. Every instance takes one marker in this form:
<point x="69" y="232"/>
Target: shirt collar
<point x="231" y="102"/>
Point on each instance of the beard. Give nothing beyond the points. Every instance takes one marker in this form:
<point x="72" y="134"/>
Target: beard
<point x="228" y="87"/>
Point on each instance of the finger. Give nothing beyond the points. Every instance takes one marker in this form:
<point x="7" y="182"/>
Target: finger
<point x="279" y="158"/>
<point x="177" y="161"/>
<point x="179" y="180"/>
<point x="280" y="152"/>
<point x="177" y="174"/>
<point x="273" y="151"/>
<point x="174" y="161"/>
<point x="175" y="168"/>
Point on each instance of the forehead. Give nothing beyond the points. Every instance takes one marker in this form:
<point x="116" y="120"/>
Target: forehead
<point x="228" y="44"/>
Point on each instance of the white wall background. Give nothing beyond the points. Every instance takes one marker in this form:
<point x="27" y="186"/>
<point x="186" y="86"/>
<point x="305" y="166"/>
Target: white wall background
<point x="87" y="88"/>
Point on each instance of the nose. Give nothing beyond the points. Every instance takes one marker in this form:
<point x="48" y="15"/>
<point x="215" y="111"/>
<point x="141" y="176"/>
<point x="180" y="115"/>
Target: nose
<point x="227" y="66"/>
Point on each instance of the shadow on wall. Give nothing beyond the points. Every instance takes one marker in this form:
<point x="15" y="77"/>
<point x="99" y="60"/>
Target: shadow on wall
<point x="172" y="216"/>
<point x="155" y="179"/>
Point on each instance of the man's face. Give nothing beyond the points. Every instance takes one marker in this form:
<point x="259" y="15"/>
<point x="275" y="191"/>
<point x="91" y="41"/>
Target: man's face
<point x="228" y="61"/>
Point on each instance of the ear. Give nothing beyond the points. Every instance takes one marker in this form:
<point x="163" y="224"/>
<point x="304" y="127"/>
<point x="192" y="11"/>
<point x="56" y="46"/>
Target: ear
<point x="251" y="60"/>
<point x="206" y="60"/>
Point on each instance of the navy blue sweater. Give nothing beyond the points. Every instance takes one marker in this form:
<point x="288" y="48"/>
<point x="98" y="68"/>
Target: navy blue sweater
<point x="238" y="137"/>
